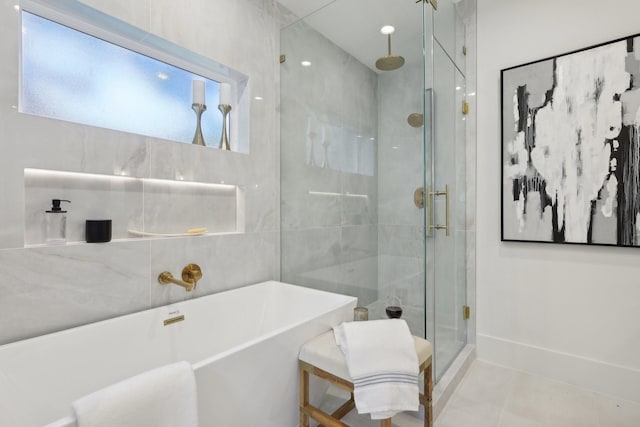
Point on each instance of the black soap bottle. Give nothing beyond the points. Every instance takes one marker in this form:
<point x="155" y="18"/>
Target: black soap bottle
<point x="56" y="223"/>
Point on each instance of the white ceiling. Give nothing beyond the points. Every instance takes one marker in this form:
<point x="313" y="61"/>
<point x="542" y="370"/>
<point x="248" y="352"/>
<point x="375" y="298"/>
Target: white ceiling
<point x="354" y="25"/>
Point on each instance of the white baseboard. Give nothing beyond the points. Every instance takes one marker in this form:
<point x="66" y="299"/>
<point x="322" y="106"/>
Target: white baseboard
<point x="601" y="377"/>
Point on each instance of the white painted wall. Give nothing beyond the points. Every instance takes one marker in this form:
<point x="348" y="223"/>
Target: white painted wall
<point x="567" y="312"/>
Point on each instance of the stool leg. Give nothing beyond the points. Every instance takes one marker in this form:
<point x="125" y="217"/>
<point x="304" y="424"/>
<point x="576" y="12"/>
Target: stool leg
<point x="304" y="397"/>
<point x="385" y="423"/>
<point x="428" y="394"/>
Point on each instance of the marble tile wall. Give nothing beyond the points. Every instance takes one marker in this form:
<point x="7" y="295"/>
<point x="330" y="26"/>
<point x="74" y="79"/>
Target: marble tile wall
<point x="52" y="288"/>
<point x="329" y="187"/>
<point x="401" y="171"/>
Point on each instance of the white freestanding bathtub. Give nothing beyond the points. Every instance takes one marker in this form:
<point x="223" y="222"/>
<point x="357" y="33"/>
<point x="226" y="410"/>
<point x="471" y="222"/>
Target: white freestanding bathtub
<point x="243" y="345"/>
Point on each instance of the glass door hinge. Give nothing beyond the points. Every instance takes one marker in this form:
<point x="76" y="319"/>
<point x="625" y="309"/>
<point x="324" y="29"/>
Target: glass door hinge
<point x="433" y="3"/>
<point x="466" y="312"/>
<point x="465" y="107"/>
<point x="283" y="58"/>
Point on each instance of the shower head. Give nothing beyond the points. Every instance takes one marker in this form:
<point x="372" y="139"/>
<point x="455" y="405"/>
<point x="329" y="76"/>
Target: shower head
<point x="389" y="62"/>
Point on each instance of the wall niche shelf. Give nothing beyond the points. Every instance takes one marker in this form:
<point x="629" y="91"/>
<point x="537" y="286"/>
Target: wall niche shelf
<point x="132" y="203"/>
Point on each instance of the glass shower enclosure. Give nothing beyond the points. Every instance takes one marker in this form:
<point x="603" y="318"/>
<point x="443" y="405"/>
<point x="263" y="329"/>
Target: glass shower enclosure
<point x="373" y="161"/>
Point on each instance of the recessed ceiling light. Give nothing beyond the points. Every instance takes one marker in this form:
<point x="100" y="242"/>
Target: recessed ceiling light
<point x="458" y="88"/>
<point x="395" y="147"/>
<point x="306" y="63"/>
<point x="372" y="139"/>
<point x="387" y="29"/>
<point x="16" y="6"/>
<point x="162" y="76"/>
<point x="258" y="98"/>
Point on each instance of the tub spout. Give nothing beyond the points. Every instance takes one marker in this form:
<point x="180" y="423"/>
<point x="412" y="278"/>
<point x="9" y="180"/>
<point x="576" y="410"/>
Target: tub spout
<point x="190" y="276"/>
<point x="165" y="278"/>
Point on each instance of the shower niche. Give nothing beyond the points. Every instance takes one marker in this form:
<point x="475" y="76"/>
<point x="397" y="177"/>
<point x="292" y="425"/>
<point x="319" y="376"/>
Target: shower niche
<point x="138" y="207"/>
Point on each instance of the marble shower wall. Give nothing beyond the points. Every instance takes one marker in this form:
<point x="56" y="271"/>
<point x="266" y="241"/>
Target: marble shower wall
<point x="329" y="173"/>
<point x="401" y="260"/>
<point x="47" y="289"/>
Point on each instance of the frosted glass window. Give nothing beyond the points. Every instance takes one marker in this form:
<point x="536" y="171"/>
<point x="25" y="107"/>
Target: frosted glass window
<point x="72" y="76"/>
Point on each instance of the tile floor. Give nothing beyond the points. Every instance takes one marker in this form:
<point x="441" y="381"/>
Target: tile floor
<point x="494" y="396"/>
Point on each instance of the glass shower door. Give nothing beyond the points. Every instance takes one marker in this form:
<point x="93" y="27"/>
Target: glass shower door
<point x="445" y="183"/>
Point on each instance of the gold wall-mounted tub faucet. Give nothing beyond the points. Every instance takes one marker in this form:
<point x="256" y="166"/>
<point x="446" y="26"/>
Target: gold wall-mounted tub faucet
<point x="191" y="273"/>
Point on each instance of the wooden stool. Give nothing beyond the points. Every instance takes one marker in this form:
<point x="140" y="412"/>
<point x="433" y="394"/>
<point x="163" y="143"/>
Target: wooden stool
<point x="322" y="357"/>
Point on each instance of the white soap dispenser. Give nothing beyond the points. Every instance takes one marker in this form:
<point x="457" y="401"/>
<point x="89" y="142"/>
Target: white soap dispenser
<point x="56" y="223"/>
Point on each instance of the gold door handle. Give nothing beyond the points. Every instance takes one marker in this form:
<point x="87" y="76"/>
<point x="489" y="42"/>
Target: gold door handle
<point x="429" y="212"/>
<point x="431" y="194"/>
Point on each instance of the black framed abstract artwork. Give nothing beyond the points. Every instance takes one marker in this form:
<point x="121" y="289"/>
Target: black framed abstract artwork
<point x="571" y="147"/>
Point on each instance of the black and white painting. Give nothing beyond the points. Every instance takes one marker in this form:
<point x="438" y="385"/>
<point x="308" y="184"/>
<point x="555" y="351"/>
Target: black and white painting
<point x="571" y="147"/>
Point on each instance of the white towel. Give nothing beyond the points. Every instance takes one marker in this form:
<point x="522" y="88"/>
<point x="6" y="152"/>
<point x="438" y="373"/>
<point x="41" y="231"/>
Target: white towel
<point x="163" y="397"/>
<point x="383" y="366"/>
